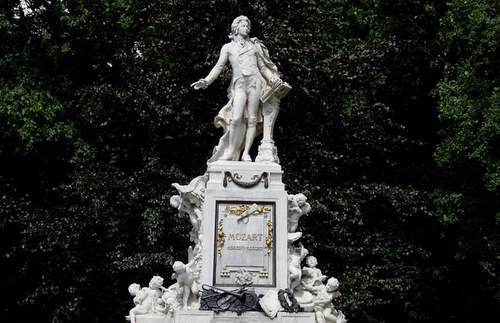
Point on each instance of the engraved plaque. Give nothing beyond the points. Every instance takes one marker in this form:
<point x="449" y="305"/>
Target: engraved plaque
<point x="245" y="243"/>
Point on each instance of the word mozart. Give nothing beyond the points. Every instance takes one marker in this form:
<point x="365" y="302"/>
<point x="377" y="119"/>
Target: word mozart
<point x="244" y="236"/>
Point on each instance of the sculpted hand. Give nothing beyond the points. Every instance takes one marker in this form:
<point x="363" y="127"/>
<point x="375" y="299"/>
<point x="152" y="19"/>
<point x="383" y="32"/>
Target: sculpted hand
<point x="275" y="80"/>
<point x="200" y="84"/>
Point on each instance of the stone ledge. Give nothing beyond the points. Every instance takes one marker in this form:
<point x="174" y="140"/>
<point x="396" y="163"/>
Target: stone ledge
<point x="223" y="165"/>
<point x="247" y="171"/>
<point x="225" y="317"/>
<point x="248" y="317"/>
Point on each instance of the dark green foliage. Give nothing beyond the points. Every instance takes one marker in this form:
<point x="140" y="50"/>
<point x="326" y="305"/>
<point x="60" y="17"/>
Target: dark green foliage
<point x="392" y="130"/>
<point x="468" y="195"/>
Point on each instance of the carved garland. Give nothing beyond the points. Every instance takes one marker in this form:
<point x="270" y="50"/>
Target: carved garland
<point x="221" y="237"/>
<point x="269" y="239"/>
<point x="237" y="180"/>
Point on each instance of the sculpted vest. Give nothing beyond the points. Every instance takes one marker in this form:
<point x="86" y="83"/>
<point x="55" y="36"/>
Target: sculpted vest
<point x="243" y="60"/>
<point x="251" y="59"/>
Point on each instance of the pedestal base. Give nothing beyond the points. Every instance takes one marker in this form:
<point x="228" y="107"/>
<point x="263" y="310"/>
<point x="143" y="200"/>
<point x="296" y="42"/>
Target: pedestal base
<point x="226" y="317"/>
<point x="248" y="317"/>
<point x="268" y="153"/>
<point x="151" y="318"/>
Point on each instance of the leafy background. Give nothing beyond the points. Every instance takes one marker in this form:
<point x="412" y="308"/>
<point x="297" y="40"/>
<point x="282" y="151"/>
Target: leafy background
<point x="392" y="130"/>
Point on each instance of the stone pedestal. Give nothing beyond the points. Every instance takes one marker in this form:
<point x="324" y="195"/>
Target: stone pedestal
<point x="244" y="227"/>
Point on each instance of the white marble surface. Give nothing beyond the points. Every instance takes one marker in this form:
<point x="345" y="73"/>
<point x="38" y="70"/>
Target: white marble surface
<point x="152" y="318"/>
<point x="226" y="317"/>
<point x="254" y="94"/>
<point x="244" y="230"/>
<point x="245" y="244"/>
<point x="248" y="317"/>
<point x="145" y="298"/>
<point x="274" y="195"/>
<point x="247" y="170"/>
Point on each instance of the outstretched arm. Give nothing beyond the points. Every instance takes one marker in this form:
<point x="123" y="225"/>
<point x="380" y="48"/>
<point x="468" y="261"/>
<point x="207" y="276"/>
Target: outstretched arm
<point x="214" y="73"/>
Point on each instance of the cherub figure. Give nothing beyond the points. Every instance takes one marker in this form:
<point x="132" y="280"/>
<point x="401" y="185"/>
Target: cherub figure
<point x="295" y="257"/>
<point x="323" y="306"/>
<point x="190" y="201"/>
<point x="170" y="299"/>
<point x="312" y="276"/>
<point x="145" y="299"/>
<point x="183" y="273"/>
<point x="297" y="207"/>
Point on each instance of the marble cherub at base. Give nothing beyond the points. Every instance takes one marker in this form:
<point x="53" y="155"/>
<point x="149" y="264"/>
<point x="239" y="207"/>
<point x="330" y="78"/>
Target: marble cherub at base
<point x="308" y="283"/>
<point x="146" y="298"/>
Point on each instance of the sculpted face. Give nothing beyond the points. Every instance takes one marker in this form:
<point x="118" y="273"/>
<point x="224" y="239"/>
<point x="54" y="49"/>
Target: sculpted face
<point x="311" y="261"/>
<point x="178" y="266"/>
<point x="155" y="282"/>
<point x="332" y="284"/>
<point x="301" y="199"/>
<point x="175" y="201"/>
<point x="133" y="289"/>
<point x="243" y="28"/>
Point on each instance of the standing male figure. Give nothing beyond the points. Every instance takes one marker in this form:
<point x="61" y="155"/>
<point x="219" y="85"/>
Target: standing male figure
<point x="253" y="73"/>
